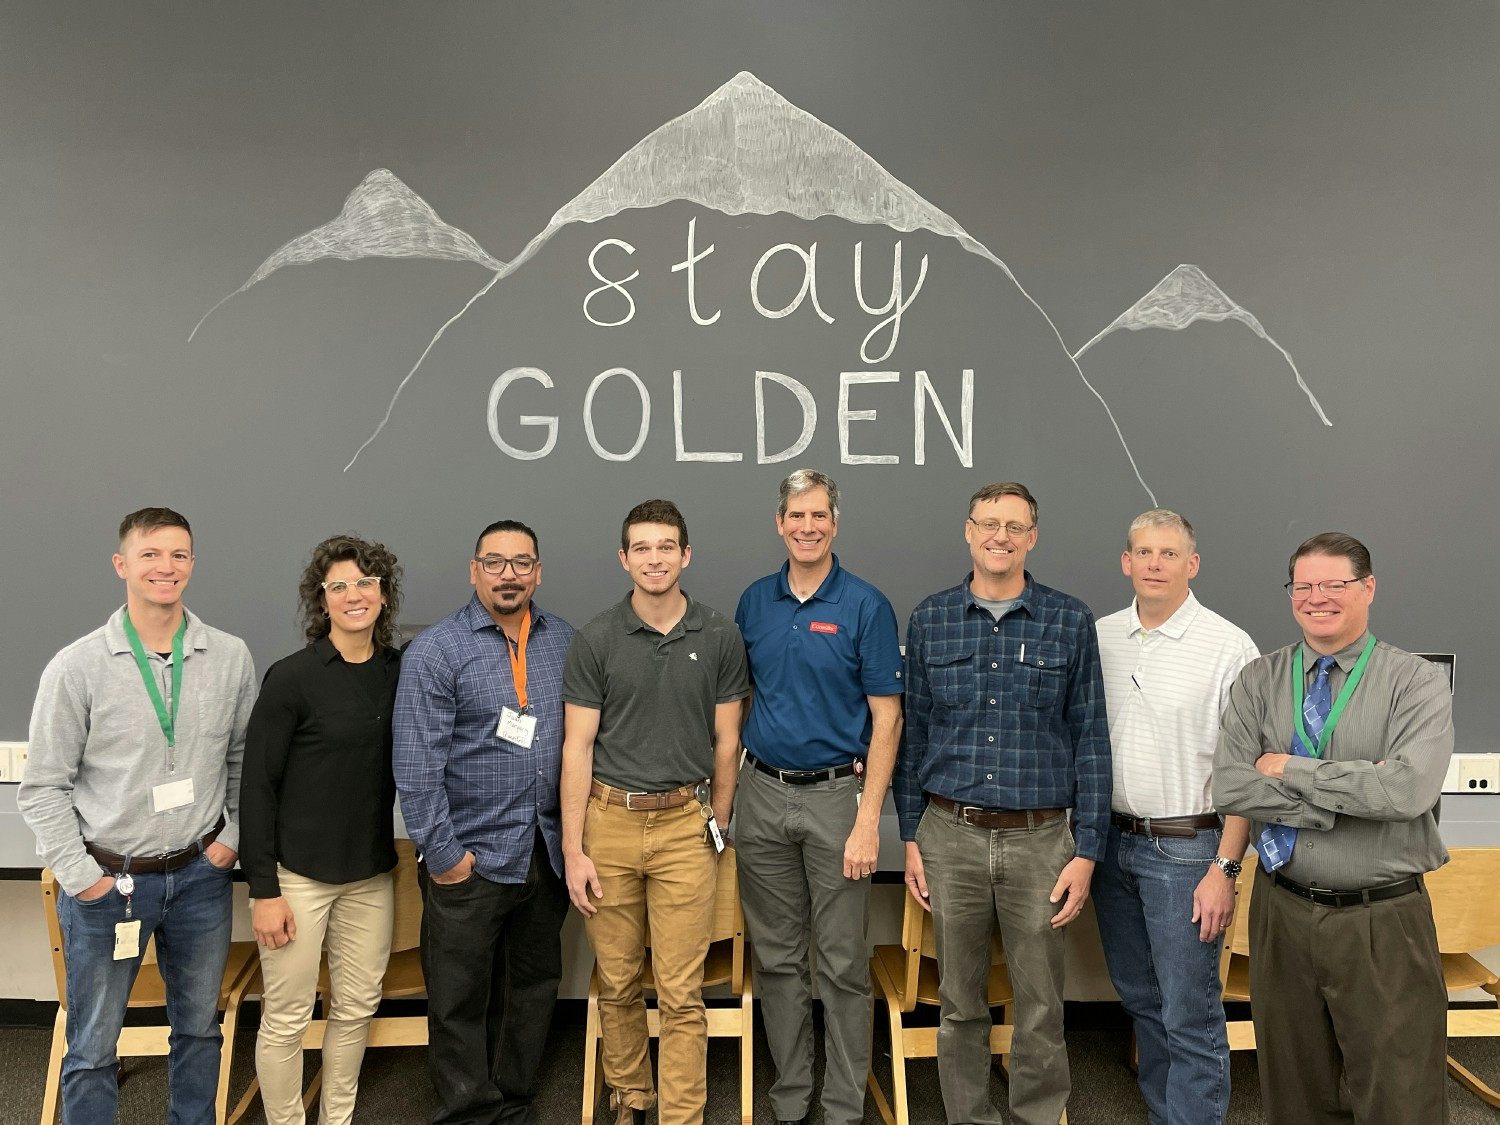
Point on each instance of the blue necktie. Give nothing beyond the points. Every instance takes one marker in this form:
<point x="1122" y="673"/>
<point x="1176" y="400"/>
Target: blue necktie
<point x="1278" y="840"/>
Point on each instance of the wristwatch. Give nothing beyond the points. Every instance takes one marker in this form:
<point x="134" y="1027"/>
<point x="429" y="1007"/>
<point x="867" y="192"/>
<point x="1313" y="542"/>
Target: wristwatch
<point x="1230" y="867"/>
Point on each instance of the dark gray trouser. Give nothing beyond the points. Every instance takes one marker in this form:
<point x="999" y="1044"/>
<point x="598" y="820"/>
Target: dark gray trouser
<point x="1351" y="1015"/>
<point x="978" y="877"/>
<point x="790" y="840"/>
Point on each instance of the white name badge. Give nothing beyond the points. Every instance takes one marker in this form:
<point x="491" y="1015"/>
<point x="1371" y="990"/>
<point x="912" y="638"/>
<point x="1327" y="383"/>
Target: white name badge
<point x="172" y="795"/>
<point x="127" y="940"/>
<point x="516" y="727"/>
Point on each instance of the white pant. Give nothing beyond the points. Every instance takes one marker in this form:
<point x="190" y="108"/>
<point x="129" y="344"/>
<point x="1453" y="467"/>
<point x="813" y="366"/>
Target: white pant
<point x="355" y="919"/>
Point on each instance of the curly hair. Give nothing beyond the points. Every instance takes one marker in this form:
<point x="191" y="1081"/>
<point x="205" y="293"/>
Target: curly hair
<point x="373" y="559"/>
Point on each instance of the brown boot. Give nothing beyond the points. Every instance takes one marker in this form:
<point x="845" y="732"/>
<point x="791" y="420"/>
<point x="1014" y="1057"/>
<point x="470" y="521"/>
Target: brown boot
<point x="624" y="1114"/>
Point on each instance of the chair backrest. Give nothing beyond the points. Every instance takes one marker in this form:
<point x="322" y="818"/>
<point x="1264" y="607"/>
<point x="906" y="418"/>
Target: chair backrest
<point x="919" y="940"/>
<point x="54" y="934"/>
<point x="1237" y="940"/>
<point x="1465" y="895"/>
<point x="406" y="927"/>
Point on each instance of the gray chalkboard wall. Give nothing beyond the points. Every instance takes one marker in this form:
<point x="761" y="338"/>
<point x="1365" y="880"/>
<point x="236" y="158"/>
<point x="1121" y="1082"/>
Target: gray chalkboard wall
<point x="1331" y="167"/>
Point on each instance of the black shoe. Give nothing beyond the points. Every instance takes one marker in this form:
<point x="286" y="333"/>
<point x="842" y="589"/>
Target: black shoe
<point x="800" y="1121"/>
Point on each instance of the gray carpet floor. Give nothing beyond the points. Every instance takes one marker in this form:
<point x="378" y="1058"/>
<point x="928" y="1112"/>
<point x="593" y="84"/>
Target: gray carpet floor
<point x="395" y="1091"/>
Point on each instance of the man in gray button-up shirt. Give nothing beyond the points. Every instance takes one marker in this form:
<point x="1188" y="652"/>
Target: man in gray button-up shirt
<point x="132" y="788"/>
<point x="1345" y="978"/>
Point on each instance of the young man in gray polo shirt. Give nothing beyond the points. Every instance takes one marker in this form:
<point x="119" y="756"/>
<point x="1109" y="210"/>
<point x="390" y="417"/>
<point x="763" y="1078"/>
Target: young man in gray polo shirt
<point x="132" y="788"/>
<point x="652" y="693"/>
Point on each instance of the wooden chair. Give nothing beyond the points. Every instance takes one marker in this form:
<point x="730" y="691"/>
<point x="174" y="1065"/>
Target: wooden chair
<point x="903" y="976"/>
<point x="149" y="991"/>
<point x="1466" y="912"/>
<point x="403" y="978"/>
<point x="727" y="964"/>
<point x="1234" y="961"/>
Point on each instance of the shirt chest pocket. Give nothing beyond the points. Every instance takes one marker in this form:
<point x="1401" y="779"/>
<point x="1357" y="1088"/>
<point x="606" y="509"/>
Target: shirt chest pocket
<point x="952" y="678"/>
<point x="1041" y="675"/>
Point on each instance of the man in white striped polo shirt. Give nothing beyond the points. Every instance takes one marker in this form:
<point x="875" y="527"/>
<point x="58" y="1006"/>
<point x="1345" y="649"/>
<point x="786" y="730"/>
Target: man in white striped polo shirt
<point x="1164" y="893"/>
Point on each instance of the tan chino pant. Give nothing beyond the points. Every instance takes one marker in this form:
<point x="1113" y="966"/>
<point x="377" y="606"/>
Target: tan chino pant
<point x="655" y="868"/>
<point x="354" y="921"/>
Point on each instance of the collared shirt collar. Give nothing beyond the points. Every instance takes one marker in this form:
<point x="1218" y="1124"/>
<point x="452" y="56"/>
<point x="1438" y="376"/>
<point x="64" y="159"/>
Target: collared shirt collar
<point x="194" y="640"/>
<point x="479" y="619"/>
<point x="1174" y="626"/>
<point x="1346" y="658"/>
<point x="829" y="590"/>
<point x="1023" y="599"/>
<point x="327" y="652"/>
<point x="692" y="617"/>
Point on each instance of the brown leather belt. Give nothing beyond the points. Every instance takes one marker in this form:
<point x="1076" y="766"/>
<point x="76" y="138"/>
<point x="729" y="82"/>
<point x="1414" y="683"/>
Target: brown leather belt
<point x="1182" y="827"/>
<point x="643" y="802"/>
<point x="153" y="864"/>
<point x="1325" y="897"/>
<point x="995" y="818"/>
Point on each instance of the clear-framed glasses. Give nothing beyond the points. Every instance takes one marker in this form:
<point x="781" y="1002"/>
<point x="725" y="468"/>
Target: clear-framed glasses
<point x="994" y="527"/>
<point x="363" y="585"/>
<point x="521" y="565"/>
<point x="1333" y="588"/>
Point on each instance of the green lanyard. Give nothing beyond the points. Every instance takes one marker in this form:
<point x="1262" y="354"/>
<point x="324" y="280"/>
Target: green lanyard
<point x="168" y="722"/>
<point x="1299" y="693"/>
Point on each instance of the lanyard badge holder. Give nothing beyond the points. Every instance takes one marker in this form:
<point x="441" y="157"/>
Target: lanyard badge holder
<point x="128" y="932"/>
<point x="518" y="724"/>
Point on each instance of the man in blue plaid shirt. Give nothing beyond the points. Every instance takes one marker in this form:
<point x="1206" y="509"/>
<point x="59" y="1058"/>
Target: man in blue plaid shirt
<point x="478" y="754"/>
<point x="1005" y="732"/>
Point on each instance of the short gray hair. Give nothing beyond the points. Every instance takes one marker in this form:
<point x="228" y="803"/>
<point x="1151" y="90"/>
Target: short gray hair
<point x="805" y="480"/>
<point x="1162" y="517"/>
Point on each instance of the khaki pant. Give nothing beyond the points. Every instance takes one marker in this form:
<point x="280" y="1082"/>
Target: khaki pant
<point x="355" y="921"/>
<point x="655" y="867"/>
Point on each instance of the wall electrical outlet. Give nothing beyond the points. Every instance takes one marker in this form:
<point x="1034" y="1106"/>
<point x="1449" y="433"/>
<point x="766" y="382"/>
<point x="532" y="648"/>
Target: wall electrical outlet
<point x="1473" y="773"/>
<point x="12" y="761"/>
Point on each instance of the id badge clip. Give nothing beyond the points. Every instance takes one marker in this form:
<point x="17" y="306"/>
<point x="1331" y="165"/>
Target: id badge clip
<point x="518" y="727"/>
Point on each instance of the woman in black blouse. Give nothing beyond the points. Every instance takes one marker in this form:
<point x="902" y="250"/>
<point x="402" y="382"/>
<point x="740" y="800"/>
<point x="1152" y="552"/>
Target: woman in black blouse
<point x="316" y="803"/>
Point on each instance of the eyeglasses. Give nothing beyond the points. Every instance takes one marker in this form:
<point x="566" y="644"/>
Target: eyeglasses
<point x="521" y="566"/>
<point x="1333" y="588"/>
<point x="992" y="527"/>
<point x="363" y="585"/>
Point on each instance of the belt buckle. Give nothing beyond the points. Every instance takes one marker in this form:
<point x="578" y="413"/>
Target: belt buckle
<point x="631" y="808"/>
<point x="967" y="812"/>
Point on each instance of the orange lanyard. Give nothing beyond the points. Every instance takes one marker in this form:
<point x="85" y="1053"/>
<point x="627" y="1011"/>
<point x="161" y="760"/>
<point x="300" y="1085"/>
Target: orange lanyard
<point x="517" y="654"/>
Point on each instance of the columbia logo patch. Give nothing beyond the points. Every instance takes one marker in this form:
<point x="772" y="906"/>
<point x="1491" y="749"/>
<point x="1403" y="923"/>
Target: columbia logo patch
<point x="692" y="656"/>
<point x="823" y="627"/>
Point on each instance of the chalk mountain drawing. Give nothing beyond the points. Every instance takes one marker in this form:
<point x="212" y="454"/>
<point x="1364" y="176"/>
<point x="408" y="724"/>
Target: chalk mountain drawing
<point x="743" y="149"/>
<point x="1183" y="296"/>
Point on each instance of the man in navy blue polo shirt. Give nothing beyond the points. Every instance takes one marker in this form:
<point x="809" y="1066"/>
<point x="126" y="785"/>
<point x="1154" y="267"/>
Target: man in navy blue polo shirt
<point x="820" y="745"/>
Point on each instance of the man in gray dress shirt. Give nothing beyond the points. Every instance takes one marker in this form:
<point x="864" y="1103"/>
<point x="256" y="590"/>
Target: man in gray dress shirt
<point x="132" y="789"/>
<point x="1347" y="985"/>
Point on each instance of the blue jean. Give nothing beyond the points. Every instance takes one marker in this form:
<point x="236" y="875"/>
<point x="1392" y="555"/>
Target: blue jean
<point x="1167" y="979"/>
<point x="189" y="912"/>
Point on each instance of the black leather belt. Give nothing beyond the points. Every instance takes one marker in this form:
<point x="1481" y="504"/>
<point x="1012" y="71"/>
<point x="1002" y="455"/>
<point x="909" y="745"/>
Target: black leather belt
<point x="801" y="777"/>
<point x="995" y="818"/>
<point x="1324" y="897"/>
<point x="114" y="863"/>
<point x="1180" y="827"/>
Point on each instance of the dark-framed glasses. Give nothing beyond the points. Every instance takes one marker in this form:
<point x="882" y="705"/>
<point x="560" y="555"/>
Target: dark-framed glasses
<point x="994" y="527"/>
<point x="364" y="585"/>
<point x="1333" y="588"/>
<point x="521" y="565"/>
